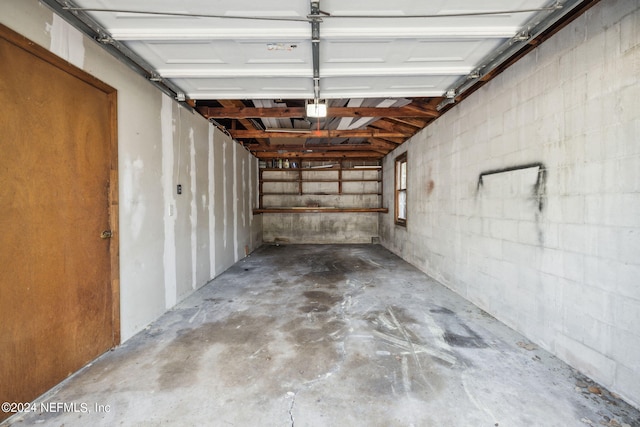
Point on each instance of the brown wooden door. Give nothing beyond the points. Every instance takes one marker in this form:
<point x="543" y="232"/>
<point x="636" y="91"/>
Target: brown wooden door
<point x="58" y="284"/>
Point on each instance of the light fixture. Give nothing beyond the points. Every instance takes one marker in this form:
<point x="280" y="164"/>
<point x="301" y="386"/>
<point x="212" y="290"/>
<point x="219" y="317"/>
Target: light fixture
<point x="317" y="109"/>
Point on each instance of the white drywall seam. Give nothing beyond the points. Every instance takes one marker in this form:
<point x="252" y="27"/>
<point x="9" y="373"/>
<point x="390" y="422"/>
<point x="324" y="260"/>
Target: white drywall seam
<point x="169" y="255"/>
<point x="132" y="175"/>
<point x="193" y="216"/>
<point x="212" y="212"/>
<point x="66" y="41"/>
<point x="257" y="196"/>
<point x="244" y="191"/>
<point x="224" y="192"/>
<point x="249" y="199"/>
<point x="236" y="257"/>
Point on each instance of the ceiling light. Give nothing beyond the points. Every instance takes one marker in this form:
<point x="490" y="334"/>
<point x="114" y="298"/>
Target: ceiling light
<point x="316" y="109"/>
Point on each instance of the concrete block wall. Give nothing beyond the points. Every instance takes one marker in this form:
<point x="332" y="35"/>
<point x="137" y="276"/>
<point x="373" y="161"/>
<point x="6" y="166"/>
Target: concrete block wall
<point x="170" y="244"/>
<point x="322" y="228"/>
<point x="552" y="250"/>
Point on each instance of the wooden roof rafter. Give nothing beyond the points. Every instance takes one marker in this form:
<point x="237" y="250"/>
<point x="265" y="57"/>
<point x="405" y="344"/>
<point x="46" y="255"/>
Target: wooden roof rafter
<point x="242" y="112"/>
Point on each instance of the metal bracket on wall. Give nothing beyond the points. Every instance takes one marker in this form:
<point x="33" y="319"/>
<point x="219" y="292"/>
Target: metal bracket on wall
<point x="538" y="187"/>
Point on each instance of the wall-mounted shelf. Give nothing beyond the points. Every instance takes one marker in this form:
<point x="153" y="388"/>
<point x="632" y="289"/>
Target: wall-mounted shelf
<point x="319" y="187"/>
<point x="321" y="194"/>
<point x="318" y="210"/>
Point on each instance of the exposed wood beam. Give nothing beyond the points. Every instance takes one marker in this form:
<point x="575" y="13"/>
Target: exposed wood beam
<point x="323" y="133"/>
<point x="314" y="155"/>
<point x="413" y="121"/>
<point x="426" y="103"/>
<point x="395" y="141"/>
<point x="383" y="143"/>
<point x="394" y="126"/>
<point x="252" y="112"/>
<point x="240" y="112"/>
<point x="318" y="210"/>
<point x="244" y="122"/>
<point x="419" y="109"/>
<point x="333" y="147"/>
<point x="406" y="111"/>
<point x="381" y="148"/>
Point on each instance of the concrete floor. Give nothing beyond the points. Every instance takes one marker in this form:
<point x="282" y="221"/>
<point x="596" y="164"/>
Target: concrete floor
<point x="330" y="335"/>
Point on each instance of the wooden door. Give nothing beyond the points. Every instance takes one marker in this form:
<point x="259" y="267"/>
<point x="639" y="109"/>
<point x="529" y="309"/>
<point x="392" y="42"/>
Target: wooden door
<point x="58" y="282"/>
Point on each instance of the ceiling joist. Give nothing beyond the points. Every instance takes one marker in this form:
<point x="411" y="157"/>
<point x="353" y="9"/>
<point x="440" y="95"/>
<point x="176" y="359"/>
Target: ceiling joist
<point x="322" y="133"/>
<point x="334" y="147"/>
<point x="384" y="73"/>
<point x="313" y="155"/>
<point x="299" y="112"/>
<point x="389" y="125"/>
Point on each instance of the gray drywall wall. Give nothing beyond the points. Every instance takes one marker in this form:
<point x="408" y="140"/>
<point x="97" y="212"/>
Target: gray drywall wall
<point x="170" y="244"/>
<point x="552" y="250"/>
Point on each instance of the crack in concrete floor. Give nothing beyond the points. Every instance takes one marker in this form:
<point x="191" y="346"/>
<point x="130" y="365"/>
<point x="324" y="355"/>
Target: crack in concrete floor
<point x="293" y="402"/>
<point x="329" y="335"/>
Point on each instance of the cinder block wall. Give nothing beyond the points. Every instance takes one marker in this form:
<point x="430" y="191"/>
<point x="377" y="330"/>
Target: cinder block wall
<point x="320" y="228"/>
<point x="552" y="250"/>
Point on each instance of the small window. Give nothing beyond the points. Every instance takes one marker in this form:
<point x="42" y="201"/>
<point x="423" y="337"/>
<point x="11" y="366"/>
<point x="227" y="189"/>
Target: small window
<point x="401" y="190"/>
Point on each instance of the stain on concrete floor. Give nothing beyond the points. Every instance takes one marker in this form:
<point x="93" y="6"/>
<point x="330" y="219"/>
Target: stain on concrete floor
<point x="330" y="335"/>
